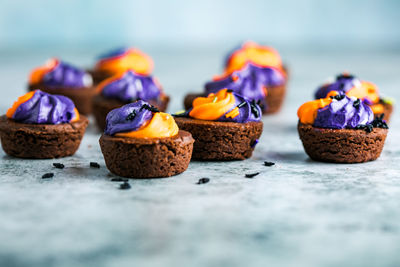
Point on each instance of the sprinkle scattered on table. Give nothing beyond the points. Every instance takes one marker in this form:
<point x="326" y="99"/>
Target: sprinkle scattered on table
<point x="58" y="165"/>
<point x="203" y="180"/>
<point x="269" y="163"/>
<point x="48" y="175"/>
<point x="124" y="186"/>
<point x="94" y="165"/>
<point x="251" y="175"/>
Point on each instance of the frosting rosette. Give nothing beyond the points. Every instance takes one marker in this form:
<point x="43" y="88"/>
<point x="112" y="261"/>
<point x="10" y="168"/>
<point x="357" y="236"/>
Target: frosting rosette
<point x="130" y="86"/>
<point x="224" y="106"/>
<point x="123" y="59"/>
<point x="56" y="73"/>
<point x="336" y="112"/>
<point x="37" y="107"/>
<point x="140" y="120"/>
<point x="351" y="86"/>
<point x="251" y="52"/>
<point x="251" y="81"/>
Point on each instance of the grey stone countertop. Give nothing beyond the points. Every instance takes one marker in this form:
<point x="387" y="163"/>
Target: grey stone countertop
<point x="296" y="213"/>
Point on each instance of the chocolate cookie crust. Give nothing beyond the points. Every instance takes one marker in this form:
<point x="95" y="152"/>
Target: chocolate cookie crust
<point x="274" y="99"/>
<point x="221" y="140"/>
<point x="387" y="110"/>
<point x="41" y="141"/>
<point x="82" y="97"/>
<point x="99" y="76"/>
<point x="102" y="106"/>
<point x="342" y="145"/>
<point x="147" y="158"/>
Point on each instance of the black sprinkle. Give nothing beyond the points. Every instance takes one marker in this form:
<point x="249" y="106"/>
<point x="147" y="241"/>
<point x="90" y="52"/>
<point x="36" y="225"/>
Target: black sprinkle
<point x="254" y="110"/>
<point x="118" y="179"/>
<point x="366" y="127"/>
<point x="149" y="107"/>
<point x="344" y="75"/>
<point x="338" y="97"/>
<point x="58" y="165"/>
<point x="242" y="104"/>
<point x="229" y="91"/>
<point x="356" y="103"/>
<point x="379" y="122"/>
<point x="131" y="116"/>
<point x="269" y="163"/>
<point x="48" y="175"/>
<point x="124" y="186"/>
<point x="94" y="165"/>
<point x="251" y="175"/>
<point x="203" y="180"/>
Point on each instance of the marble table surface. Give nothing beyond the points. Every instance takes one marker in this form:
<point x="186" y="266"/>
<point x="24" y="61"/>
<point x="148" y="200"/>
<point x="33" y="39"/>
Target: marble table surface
<point x="296" y="213"/>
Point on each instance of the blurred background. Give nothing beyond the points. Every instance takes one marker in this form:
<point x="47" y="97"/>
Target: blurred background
<point x="189" y="40"/>
<point x="48" y="23"/>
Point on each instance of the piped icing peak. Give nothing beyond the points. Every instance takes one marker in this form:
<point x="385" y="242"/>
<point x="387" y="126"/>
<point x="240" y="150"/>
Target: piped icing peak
<point x="251" y="81"/>
<point x="225" y="106"/>
<point x="140" y="120"/>
<point x="251" y="52"/>
<point x="123" y="59"/>
<point x="129" y="86"/>
<point x="56" y="73"/>
<point x="37" y="107"/>
<point x="351" y="86"/>
<point x="336" y="112"/>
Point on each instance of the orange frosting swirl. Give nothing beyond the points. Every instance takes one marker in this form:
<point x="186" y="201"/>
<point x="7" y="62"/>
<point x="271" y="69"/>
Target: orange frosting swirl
<point x="22" y="99"/>
<point x="37" y="74"/>
<point x="131" y="59"/>
<point x="365" y="90"/>
<point x="213" y="106"/>
<point x="308" y="112"/>
<point x="257" y="54"/>
<point x="161" y="125"/>
<point x="377" y="108"/>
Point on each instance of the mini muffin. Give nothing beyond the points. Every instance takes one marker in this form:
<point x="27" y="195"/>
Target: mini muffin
<point x="351" y="86"/>
<point x="255" y="72"/>
<point x="141" y="142"/>
<point x="125" y="88"/>
<point x="42" y="126"/>
<point x="341" y="129"/>
<point x="119" y="61"/>
<point x="57" y="77"/>
<point x="225" y="125"/>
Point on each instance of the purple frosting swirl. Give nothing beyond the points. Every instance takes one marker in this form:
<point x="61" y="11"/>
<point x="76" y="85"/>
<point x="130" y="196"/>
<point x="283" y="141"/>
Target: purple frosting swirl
<point x="66" y="75"/>
<point x="344" y="112"/>
<point x="342" y="84"/>
<point x="249" y="82"/>
<point x="132" y="86"/>
<point x="128" y="118"/>
<point x="248" y="111"/>
<point x="44" y="108"/>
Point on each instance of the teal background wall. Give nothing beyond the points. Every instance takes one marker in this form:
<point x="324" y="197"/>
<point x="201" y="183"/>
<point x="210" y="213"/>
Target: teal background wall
<point x="43" y="23"/>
